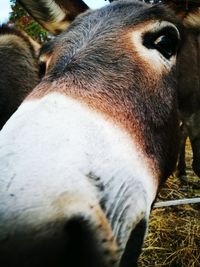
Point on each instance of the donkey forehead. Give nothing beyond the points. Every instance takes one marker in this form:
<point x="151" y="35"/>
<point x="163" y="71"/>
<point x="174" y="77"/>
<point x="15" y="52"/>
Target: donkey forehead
<point x="105" y="34"/>
<point x="123" y="13"/>
<point x="114" y="20"/>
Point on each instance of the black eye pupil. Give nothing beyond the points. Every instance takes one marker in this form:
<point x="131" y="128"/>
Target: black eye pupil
<point x="165" y="41"/>
<point x="165" y="46"/>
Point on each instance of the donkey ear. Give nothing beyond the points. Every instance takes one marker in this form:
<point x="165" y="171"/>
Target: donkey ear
<point x="54" y="15"/>
<point x="188" y="11"/>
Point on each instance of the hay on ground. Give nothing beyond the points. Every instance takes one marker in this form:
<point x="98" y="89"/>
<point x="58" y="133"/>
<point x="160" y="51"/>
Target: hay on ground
<point x="173" y="238"/>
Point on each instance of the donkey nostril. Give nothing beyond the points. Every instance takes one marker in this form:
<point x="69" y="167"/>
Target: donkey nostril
<point x="83" y="247"/>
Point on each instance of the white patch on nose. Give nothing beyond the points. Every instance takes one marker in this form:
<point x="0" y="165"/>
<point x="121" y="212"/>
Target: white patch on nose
<point x="152" y="57"/>
<point x="49" y="147"/>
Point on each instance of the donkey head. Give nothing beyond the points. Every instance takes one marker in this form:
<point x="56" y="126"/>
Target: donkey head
<point x="83" y="157"/>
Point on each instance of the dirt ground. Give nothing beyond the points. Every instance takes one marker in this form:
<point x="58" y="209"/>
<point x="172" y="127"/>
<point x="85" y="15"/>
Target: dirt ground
<point x="173" y="238"/>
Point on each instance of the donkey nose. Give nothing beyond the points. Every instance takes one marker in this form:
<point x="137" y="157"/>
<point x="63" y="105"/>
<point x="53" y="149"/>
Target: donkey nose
<point x="72" y="243"/>
<point x="72" y="232"/>
<point x="82" y="246"/>
<point x="34" y="247"/>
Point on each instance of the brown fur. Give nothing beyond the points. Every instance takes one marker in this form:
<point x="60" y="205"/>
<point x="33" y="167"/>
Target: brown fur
<point x="19" y="70"/>
<point x="188" y="66"/>
<point x="74" y="8"/>
<point x="187" y="10"/>
<point x="189" y="98"/>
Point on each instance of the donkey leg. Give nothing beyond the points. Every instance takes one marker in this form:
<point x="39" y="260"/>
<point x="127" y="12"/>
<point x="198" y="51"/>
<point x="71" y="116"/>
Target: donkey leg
<point x="196" y="155"/>
<point x="194" y="135"/>
<point x="181" y="167"/>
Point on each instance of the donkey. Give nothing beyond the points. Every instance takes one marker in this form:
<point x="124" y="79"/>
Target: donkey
<point x="19" y="71"/>
<point x="189" y="98"/>
<point x="188" y="68"/>
<point x="82" y="159"/>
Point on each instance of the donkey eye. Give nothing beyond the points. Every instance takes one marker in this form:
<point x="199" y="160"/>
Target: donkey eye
<point x="166" y="45"/>
<point x="166" y="41"/>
